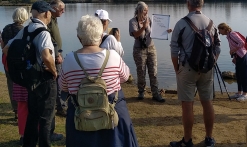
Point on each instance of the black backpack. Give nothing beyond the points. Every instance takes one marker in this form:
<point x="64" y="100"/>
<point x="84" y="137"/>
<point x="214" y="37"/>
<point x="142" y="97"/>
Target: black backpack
<point x="202" y="58"/>
<point x="23" y="67"/>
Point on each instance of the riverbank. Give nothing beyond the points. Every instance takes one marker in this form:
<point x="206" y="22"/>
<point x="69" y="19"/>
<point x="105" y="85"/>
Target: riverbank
<point x="156" y="124"/>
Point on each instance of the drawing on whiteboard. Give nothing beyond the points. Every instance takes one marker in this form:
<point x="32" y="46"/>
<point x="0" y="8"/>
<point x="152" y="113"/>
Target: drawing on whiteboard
<point x="159" y="27"/>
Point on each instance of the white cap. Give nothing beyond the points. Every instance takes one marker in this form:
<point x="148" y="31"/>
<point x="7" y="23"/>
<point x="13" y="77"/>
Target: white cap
<point x="98" y="11"/>
<point x="103" y="14"/>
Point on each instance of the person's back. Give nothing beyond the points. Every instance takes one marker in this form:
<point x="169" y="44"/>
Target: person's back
<point x="115" y="72"/>
<point x="19" y="16"/>
<point x="111" y="42"/>
<point x="91" y="57"/>
<point x="188" y="79"/>
<point x="41" y="100"/>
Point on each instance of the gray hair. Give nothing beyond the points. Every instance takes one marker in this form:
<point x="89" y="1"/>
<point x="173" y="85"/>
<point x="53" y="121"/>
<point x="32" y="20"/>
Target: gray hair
<point x="56" y="3"/>
<point x="140" y="7"/>
<point x="90" y="30"/>
<point x="196" y="3"/>
<point x="20" y="15"/>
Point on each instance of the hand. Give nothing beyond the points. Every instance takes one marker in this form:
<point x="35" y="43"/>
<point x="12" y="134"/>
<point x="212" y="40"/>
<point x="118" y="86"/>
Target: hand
<point x="145" y="23"/>
<point x="232" y="52"/>
<point x="169" y="30"/>
<point x="53" y="73"/>
<point x="117" y="35"/>
<point x="59" y="59"/>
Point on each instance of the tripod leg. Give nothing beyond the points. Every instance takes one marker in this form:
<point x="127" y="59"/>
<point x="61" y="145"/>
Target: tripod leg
<point x="218" y="79"/>
<point x="223" y="81"/>
<point x="195" y="93"/>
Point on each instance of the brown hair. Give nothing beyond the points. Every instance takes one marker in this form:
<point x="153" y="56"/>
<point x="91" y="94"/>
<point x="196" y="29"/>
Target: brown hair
<point x="224" y="26"/>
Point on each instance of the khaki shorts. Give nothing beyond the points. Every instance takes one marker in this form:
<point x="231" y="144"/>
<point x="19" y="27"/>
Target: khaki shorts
<point x="188" y="80"/>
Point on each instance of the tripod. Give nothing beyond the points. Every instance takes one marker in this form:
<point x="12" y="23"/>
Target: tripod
<point x="218" y="74"/>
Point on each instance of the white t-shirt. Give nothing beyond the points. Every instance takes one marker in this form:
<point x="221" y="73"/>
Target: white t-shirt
<point x="111" y="43"/>
<point x="41" y="41"/>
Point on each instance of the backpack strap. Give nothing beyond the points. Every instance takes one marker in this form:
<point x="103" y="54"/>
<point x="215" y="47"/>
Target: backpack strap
<point x="101" y="69"/>
<point x="103" y="39"/>
<point x="33" y="34"/>
<point x="192" y="25"/>
<point x="179" y="41"/>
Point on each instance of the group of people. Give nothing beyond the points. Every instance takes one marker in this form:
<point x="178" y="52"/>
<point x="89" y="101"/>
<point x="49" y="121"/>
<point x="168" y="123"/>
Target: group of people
<point x="91" y="33"/>
<point x="26" y="108"/>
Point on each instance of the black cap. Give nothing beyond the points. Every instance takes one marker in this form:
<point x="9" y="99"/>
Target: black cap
<point x="42" y="6"/>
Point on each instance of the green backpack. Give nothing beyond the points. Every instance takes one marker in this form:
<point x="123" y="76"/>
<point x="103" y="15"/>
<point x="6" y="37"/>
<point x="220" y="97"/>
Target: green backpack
<point x="94" y="112"/>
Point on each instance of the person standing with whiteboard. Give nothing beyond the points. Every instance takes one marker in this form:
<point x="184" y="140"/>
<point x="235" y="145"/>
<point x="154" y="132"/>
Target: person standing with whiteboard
<point x="144" y="51"/>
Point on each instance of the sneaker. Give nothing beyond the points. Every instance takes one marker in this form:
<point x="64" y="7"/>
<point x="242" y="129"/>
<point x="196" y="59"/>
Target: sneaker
<point x="209" y="142"/>
<point x="62" y="113"/>
<point x="182" y="143"/>
<point x="140" y="96"/>
<point x="235" y="96"/>
<point x="159" y="98"/>
<point x="56" y="137"/>
<point x="242" y="98"/>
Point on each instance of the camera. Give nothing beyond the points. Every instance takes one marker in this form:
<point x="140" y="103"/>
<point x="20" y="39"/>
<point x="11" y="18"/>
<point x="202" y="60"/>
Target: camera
<point x="112" y="31"/>
<point x="143" y="42"/>
<point x="232" y="55"/>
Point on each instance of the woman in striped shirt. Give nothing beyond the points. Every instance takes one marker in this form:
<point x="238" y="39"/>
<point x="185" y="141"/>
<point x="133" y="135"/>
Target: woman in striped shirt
<point x="238" y="52"/>
<point x="91" y="56"/>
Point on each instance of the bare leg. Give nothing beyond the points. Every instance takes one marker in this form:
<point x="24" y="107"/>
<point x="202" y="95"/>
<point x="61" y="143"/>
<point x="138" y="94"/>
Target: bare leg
<point x="208" y="115"/>
<point x="188" y="119"/>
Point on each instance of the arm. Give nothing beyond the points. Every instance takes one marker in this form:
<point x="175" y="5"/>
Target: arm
<point x="111" y="43"/>
<point x="134" y="30"/>
<point x="49" y="62"/>
<point x="124" y="71"/>
<point x="217" y="44"/>
<point x="175" y="63"/>
<point x="175" y="49"/>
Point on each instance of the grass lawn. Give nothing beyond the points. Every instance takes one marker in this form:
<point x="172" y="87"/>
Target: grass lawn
<point x="155" y="124"/>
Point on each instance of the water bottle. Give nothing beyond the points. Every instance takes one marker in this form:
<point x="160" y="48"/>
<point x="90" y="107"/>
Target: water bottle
<point x="29" y="65"/>
<point x="207" y="40"/>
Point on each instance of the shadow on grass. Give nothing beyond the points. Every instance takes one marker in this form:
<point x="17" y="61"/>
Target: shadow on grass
<point x="166" y="120"/>
<point x="15" y="143"/>
<point x="6" y="115"/>
<point x="203" y="145"/>
<point x="148" y="100"/>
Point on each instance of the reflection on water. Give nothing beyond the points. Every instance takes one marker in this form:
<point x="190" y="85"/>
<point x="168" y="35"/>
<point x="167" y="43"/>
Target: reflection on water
<point x="230" y="81"/>
<point x="233" y="13"/>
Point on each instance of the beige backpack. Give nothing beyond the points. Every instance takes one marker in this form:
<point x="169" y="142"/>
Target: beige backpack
<point x="94" y="111"/>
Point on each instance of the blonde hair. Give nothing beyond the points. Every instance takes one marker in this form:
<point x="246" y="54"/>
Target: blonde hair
<point x="224" y="26"/>
<point x="140" y="8"/>
<point x="20" y="15"/>
<point x="90" y="30"/>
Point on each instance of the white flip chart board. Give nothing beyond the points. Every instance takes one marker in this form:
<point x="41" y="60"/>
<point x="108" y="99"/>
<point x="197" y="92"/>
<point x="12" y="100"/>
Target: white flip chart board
<point x="159" y="27"/>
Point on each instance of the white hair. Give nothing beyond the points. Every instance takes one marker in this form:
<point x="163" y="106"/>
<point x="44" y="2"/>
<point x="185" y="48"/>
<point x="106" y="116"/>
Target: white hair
<point x="20" y="15"/>
<point x="90" y="30"/>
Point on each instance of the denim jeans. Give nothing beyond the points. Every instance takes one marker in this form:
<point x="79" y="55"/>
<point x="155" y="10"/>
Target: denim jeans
<point x="41" y="107"/>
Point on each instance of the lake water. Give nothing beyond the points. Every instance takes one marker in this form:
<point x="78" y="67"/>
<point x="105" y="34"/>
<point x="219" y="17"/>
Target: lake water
<point x="233" y="13"/>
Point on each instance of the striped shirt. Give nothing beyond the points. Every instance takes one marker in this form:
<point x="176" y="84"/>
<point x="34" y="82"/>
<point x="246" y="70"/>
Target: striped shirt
<point x="236" y="43"/>
<point x="20" y="93"/>
<point x="115" y="72"/>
